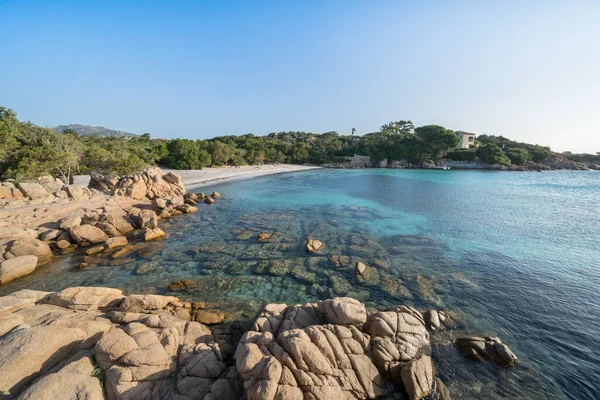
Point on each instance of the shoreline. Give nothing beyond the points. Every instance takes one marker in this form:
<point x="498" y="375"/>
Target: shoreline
<point x="197" y="178"/>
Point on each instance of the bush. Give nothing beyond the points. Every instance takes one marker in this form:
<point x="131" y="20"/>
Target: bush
<point x="492" y="154"/>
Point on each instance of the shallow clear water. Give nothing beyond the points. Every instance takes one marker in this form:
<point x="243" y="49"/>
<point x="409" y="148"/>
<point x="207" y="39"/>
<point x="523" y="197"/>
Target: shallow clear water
<point x="514" y="255"/>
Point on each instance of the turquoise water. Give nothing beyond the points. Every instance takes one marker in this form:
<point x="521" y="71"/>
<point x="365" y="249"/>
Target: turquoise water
<point x="513" y="255"/>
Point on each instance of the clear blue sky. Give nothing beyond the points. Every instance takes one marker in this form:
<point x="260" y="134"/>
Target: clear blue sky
<point x="529" y="70"/>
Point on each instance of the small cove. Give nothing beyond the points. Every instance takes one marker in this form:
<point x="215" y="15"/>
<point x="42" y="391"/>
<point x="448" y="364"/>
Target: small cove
<point x="512" y="254"/>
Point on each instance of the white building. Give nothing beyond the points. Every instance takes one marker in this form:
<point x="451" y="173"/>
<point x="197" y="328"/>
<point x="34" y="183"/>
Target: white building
<point x="467" y="140"/>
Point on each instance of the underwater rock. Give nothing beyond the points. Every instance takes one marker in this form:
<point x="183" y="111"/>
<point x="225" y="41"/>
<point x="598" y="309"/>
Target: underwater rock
<point x="313" y="245"/>
<point x="367" y="275"/>
<point x="340" y="285"/>
<point x="395" y="289"/>
<point x="264" y="236"/>
<point x="125" y="251"/>
<point x="425" y="290"/>
<point x="487" y="349"/>
<point x="301" y="274"/>
<point x="209" y="317"/>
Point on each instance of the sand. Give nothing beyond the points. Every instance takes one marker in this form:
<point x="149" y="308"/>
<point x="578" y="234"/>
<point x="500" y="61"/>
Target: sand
<point x="193" y="179"/>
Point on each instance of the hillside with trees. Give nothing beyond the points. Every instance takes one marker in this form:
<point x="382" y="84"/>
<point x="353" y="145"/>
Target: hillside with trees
<point x="88" y="130"/>
<point x="27" y="150"/>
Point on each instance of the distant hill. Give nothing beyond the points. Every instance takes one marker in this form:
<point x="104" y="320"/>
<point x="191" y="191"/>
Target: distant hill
<point x="87" y="130"/>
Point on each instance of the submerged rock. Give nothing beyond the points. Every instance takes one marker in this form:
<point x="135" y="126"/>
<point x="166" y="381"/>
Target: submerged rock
<point x="313" y="245"/>
<point x="486" y="349"/>
<point x="367" y="275"/>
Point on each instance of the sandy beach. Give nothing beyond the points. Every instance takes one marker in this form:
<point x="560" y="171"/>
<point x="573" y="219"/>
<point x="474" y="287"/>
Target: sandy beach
<point x="196" y="178"/>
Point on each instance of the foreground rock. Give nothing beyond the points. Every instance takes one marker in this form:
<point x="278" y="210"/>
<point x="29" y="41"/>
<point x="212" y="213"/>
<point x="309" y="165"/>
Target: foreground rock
<point x="54" y="345"/>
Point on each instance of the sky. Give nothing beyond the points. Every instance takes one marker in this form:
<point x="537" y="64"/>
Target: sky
<point x="528" y="70"/>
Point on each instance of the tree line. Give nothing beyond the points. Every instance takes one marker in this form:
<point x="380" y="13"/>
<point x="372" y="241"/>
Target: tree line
<point x="27" y="150"/>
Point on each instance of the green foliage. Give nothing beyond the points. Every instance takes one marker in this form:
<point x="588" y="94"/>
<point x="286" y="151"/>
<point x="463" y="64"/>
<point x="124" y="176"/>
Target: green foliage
<point x="27" y="150"/>
<point x="539" y="153"/>
<point x="535" y="152"/>
<point x="517" y="156"/>
<point x="398" y="128"/>
<point x="461" y="155"/>
<point x="492" y="154"/>
<point x="183" y="154"/>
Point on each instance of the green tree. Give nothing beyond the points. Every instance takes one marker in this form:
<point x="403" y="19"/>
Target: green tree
<point x="435" y="139"/>
<point x="517" y="156"/>
<point x="398" y="128"/>
<point x="184" y="154"/>
<point x="492" y="154"/>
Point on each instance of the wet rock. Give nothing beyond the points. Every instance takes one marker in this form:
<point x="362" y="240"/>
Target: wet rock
<point x="486" y="349"/>
<point x="301" y="274"/>
<point x="151" y="234"/>
<point x="17" y="267"/>
<point x="426" y="291"/>
<point x="118" y="241"/>
<point x="340" y="285"/>
<point x="187" y="209"/>
<point x="95" y="250"/>
<point x="177" y="286"/>
<point x="417" y="377"/>
<point x="434" y="319"/>
<point x="83" y="234"/>
<point x="395" y="289"/>
<point x="215" y="195"/>
<point x="367" y="275"/>
<point x="264" y="236"/>
<point x="313" y="245"/>
<point x="124" y="251"/>
<point x="209" y="317"/>
<point x="209" y="200"/>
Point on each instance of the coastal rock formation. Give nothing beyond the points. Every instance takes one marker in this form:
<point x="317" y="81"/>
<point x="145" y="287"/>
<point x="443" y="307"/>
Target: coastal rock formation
<point x="54" y="345"/>
<point x="152" y="183"/>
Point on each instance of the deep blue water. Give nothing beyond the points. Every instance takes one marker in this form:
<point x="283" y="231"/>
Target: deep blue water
<point x="514" y="255"/>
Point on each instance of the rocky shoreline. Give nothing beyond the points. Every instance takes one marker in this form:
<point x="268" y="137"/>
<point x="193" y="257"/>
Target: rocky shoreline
<point x="95" y="343"/>
<point x="42" y="217"/>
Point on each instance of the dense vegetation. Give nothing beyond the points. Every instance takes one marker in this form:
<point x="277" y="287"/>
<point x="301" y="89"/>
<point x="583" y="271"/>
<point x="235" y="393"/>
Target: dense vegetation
<point x="27" y="150"/>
